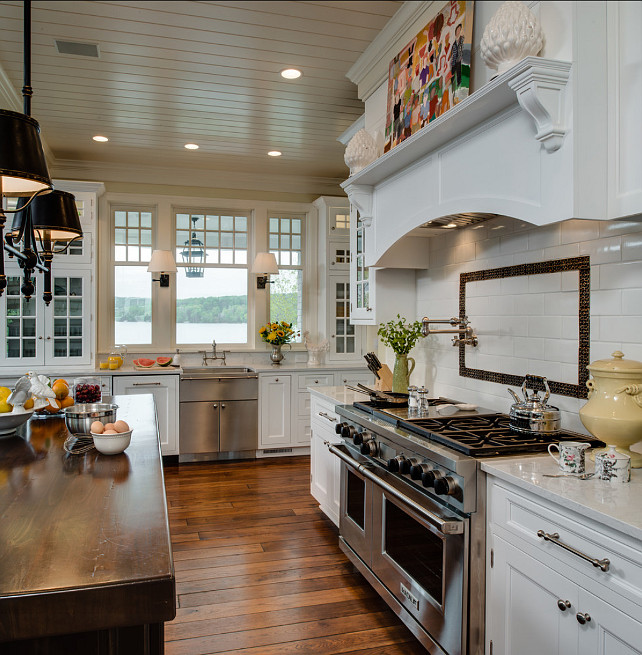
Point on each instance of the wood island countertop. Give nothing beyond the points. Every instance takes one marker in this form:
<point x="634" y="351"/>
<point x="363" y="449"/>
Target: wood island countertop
<point x="84" y="539"/>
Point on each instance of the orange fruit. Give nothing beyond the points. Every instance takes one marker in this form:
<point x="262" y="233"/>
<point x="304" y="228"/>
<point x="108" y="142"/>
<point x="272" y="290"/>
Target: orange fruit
<point x="66" y="402"/>
<point x="54" y="406"/>
<point x="29" y="404"/>
<point x="60" y="388"/>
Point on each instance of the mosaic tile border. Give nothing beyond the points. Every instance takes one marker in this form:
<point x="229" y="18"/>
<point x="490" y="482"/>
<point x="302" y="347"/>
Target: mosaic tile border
<point x="580" y="264"/>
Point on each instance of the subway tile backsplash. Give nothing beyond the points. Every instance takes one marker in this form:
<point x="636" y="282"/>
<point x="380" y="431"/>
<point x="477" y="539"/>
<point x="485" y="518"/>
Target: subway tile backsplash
<point x="548" y="343"/>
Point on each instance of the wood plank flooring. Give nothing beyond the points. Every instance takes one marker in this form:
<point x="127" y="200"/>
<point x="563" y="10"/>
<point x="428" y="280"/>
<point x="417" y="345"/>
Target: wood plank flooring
<point x="259" y="570"/>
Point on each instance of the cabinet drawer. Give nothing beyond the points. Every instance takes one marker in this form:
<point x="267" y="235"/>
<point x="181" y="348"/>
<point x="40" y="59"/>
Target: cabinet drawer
<point x="312" y="380"/>
<point x="323" y="412"/>
<point x="302" y="432"/>
<point x="525" y="517"/>
<point x="354" y="377"/>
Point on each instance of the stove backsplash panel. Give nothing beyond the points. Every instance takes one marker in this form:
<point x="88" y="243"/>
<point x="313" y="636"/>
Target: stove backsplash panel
<point x="549" y="345"/>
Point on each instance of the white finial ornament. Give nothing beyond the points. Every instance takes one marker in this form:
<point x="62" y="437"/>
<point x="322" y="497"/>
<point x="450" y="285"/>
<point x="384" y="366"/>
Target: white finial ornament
<point x="512" y="34"/>
<point x="360" y="151"/>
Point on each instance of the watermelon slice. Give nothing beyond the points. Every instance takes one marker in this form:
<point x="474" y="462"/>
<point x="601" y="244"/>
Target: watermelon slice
<point x="163" y="361"/>
<point x="144" y="362"/>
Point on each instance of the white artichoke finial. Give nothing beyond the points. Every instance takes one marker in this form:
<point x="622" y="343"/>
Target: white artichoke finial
<point x="511" y="34"/>
<point x="360" y="151"/>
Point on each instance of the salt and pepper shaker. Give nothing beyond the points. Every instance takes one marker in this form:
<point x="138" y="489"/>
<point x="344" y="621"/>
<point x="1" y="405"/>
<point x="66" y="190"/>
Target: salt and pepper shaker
<point x="422" y="395"/>
<point x="412" y="399"/>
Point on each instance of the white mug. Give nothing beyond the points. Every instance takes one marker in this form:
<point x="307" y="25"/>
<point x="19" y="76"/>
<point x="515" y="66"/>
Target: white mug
<point x="571" y="457"/>
<point x="612" y="466"/>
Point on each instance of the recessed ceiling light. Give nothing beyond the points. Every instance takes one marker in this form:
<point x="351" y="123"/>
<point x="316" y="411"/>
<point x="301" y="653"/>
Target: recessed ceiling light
<point x="291" y="73"/>
<point x="101" y="139"/>
<point x="275" y="153"/>
<point x="192" y="146"/>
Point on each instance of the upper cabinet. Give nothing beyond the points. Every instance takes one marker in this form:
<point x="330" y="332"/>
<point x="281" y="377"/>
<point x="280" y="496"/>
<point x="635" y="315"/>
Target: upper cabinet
<point x="539" y="142"/>
<point x="60" y="334"/>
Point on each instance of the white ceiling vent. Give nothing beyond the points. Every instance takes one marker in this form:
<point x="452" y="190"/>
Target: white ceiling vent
<point x="75" y="48"/>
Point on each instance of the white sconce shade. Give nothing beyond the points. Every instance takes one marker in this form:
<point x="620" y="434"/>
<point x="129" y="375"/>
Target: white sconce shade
<point x="162" y="261"/>
<point x="265" y="262"/>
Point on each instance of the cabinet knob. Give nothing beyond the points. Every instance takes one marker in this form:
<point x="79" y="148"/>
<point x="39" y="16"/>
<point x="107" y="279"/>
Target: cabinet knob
<point x="316" y="382"/>
<point x="214" y="406"/>
<point x="222" y="405"/>
<point x="563" y="605"/>
<point x="582" y="618"/>
<point x="276" y="379"/>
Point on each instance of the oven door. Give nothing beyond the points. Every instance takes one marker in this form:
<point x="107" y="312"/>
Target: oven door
<point x="420" y="555"/>
<point x="355" y="513"/>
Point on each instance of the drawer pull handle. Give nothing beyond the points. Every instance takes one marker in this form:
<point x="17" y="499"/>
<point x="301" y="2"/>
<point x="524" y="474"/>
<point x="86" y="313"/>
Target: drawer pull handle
<point x="147" y="384"/>
<point x="554" y="538"/>
<point x="563" y="605"/>
<point x="582" y="618"/>
<point x="330" y="418"/>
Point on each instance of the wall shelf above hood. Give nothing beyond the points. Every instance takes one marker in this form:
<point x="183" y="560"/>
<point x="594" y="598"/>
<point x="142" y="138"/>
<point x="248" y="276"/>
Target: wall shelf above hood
<point x="535" y="83"/>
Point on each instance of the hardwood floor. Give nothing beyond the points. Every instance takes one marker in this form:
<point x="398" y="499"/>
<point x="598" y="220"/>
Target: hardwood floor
<point x="259" y="570"/>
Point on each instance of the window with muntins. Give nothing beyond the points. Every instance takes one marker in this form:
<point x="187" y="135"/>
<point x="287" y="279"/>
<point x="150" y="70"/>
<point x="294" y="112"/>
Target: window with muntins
<point x="286" y="242"/>
<point x="132" y="250"/>
<point x="212" y="278"/>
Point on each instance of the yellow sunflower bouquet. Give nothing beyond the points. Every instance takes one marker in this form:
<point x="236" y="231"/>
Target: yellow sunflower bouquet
<point x="277" y="334"/>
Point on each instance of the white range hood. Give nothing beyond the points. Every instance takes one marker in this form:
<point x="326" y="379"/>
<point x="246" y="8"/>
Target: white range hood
<point x="544" y="142"/>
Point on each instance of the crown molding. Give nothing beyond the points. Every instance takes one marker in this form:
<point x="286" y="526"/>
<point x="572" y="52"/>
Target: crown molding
<point x="371" y="69"/>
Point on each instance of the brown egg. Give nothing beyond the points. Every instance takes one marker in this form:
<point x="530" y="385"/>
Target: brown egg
<point x="109" y="426"/>
<point x="110" y="431"/>
<point x="121" y="426"/>
<point x="97" y="427"/>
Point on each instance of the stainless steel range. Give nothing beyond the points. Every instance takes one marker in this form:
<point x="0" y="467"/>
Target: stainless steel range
<point x="413" y="515"/>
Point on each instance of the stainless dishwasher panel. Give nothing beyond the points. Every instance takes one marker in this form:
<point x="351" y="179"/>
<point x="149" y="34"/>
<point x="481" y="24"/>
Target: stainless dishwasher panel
<point x="215" y="389"/>
<point x="239" y="425"/>
<point x="199" y="425"/>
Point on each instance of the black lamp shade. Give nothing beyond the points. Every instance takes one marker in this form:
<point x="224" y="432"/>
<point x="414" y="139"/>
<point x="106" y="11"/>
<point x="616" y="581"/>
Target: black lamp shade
<point x="53" y="215"/>
<point x="23" y="168"/>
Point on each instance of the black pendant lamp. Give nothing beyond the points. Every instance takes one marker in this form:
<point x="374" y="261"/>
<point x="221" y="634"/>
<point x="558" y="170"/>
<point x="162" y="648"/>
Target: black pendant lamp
<point x="45" y="226"/>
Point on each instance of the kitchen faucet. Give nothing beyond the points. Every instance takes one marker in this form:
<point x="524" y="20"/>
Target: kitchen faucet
<point x="214" y="356"/>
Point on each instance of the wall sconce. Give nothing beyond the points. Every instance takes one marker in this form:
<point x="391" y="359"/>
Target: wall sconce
<point x="264" y="262"/>
<point x="162" y="262"/>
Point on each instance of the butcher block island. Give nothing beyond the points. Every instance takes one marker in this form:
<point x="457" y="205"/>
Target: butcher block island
<point x="85" y="556"/>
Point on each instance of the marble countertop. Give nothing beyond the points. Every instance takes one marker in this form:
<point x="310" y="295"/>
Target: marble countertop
<point x="340" y="395"/>
<point x="616" y="505"/>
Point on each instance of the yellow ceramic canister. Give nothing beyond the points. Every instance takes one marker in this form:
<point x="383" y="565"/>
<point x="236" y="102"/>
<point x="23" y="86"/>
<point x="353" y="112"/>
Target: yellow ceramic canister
<point x="613" y="412"/>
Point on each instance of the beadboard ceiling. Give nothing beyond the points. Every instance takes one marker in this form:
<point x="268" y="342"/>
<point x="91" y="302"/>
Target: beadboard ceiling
<point x="169" y="73"/>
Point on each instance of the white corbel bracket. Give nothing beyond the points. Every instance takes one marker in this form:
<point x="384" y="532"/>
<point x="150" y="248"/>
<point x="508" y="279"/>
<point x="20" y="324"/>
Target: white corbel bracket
<point x="360" y="195"/>
<point x="541" y="91"/>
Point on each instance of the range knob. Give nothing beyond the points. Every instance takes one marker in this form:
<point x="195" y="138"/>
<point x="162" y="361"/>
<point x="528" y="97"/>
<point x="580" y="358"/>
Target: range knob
<point x="395" y="464"/>
<point x="360" y="437"/>
<point x="369" y="447"/>
<point x="407" y="464"/>
<point x="417" y="470"/>
<point x="446" y="486"/>
<point x="347" y="431"/>
<point x="338" y="428"/>
<point x="429" y="478"/>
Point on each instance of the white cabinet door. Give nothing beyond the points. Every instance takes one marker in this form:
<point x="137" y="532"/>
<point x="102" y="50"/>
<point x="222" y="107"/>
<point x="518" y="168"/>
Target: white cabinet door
<point x="345" y="337"/>
<point x="362" y="297"/>
<point x="609" y="630"/>
<point x="274" y="400"/>
<point x="531" y="608"/>
<point x="318" y="471"/>
<point x="164" y="388"/>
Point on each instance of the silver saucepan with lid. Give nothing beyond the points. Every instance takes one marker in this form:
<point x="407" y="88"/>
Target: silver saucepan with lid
<point x="533" y="416"/>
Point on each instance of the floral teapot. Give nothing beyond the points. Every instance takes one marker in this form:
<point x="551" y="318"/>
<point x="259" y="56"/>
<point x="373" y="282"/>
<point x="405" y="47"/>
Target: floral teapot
<point x="613" y="412"/>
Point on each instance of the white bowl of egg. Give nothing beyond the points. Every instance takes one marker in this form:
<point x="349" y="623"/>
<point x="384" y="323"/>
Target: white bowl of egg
<point x="111" y="438"/>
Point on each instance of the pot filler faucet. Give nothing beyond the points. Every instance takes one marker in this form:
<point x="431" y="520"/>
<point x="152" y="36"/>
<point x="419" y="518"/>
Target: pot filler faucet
<point x="462" y="328"/>
<point x="214" y="356"/>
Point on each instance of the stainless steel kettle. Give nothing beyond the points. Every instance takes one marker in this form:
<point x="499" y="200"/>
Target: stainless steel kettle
<point x="533" y="416"/>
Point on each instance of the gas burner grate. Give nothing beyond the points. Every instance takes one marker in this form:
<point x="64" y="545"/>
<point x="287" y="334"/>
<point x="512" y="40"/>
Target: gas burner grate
<point x="486" y="436"/>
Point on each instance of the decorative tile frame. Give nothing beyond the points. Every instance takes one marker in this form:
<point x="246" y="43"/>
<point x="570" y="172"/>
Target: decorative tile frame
<point x="580" y="264"/>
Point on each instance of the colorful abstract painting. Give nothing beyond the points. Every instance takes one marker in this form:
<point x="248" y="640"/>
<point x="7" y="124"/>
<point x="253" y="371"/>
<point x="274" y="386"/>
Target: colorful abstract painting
<point x="431" y="74"/>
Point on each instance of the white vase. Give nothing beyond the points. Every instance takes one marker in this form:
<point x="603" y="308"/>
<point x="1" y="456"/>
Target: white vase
<point x="511" y="34"/>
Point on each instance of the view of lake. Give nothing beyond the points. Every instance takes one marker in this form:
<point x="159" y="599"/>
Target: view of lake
<point x="186" y="333"/>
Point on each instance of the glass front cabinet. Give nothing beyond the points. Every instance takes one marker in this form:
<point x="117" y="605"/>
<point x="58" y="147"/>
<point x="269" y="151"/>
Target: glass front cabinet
<point x="37" y="334"/>
<point x="362" y="303"/>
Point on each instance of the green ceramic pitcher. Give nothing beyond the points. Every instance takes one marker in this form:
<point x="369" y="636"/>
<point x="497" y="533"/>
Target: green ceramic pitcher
<point x="401" y="374"/>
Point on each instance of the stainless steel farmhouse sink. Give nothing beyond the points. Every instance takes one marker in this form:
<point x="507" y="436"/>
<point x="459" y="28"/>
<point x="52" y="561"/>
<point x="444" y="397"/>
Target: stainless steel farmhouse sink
<point x="209" y="372"/>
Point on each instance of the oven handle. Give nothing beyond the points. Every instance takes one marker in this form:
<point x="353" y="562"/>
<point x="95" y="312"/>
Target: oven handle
<point x="445" y="526"/>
